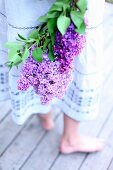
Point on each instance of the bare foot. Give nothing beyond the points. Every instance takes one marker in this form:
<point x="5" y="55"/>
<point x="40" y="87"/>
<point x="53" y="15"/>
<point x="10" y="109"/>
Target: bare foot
<point x="47" y="121"/>
<point x="81" y="143"/>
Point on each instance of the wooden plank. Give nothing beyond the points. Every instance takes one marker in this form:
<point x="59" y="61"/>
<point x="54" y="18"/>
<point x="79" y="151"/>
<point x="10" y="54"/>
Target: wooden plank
<point x="8" y="131"/>
<point x="5" y="108"/>
<point x="111" y="165"/>
<point x="101" y="160"/>
<point x="24" y="144"/>
<point x="48" y="148"/>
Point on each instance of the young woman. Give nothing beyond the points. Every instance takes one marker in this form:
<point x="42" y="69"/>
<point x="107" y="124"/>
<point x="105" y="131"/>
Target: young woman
<point x="81" y="101"/>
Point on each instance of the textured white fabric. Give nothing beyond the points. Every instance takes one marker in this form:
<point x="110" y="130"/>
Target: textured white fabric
<point x="21" y="17"/>
<point x="95" y="12"/>
<point x="81" y="101"/>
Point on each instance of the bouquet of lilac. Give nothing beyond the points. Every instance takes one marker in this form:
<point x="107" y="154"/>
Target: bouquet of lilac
<point x="48" y="57"/>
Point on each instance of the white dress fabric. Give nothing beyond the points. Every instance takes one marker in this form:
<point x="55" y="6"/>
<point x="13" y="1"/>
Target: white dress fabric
<point x="82" y="97"/>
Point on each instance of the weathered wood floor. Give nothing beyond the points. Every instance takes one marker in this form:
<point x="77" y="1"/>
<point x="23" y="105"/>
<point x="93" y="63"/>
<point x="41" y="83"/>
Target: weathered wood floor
<point x="29" y="147"/>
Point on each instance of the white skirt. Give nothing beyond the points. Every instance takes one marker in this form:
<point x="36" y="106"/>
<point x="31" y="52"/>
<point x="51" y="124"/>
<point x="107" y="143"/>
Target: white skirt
<point x="82" y="97"/>
<point x="81" y="101"/>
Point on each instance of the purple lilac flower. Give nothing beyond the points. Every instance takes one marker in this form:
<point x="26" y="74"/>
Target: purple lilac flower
<point x="69" y="46"/>
<point x="51" y="79"/>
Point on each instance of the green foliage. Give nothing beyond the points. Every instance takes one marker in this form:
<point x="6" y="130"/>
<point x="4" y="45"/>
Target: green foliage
<point x="77" y="18"/>
<point x="37" y="54"/>
<point x="13" y="45"/>
<point x="25" y="54"/>
<point x="59" y="17"/>
<point x="21" y="37"/>
<point x="34" y="34"/>
<point x="51" y="53"/>
<point x="81" y="29"/>
<point x="82" y="5"/>
<point x="63" y="23"/>
<point x="46" y="42"/>
<point x="56" y="6"/>
<point x="16" y="59"/>
<point x="51" y="24"/>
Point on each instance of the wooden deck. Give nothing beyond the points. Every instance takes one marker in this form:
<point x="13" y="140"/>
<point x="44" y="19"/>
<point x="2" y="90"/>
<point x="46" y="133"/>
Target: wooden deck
<point x="29" y="147"/>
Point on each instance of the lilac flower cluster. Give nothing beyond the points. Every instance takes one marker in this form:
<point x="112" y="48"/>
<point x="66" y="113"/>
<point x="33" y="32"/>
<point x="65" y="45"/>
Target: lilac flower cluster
<point x="51" y="79"/>
<point x="45" y="77"/>
<point x="69" y="46"/>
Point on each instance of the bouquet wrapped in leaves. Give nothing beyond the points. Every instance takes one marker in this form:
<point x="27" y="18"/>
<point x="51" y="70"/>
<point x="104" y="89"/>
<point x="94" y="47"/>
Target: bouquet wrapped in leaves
<point x="48" y="52"/>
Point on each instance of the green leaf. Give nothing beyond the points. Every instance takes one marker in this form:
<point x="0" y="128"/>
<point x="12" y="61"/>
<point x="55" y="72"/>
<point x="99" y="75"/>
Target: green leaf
<point x="64" y="1"/>
<point x="43" y="18"/>
<point x="52" y="25"/>
<point x="37" y="42"/>
<point x="59" y="3"/>
<point x="9" y="64"/>
<point x="77" y="18"/>
<point x="34" y="34"/>
<point x="55" y="8"/>
<point x="52" y="14"/>
<point x="13" y="45"/>
<point x="46" y="42"/>
<point x="16" y="59"/>
<point x="51" y="53"/>
<point x="43" y="29"/>
<point x="63" y="23"/>
<point x="53" y="38"/>
<point x="25" y="54"/>
<point x="82" y="28"/>
<point x="30" y="40"/>
<point x="58" y="6"/>
<point x="82" y="5"/>
<point x="37" y="54"/>
<point x="21" y="37"/>
<point x="11" y="53"/>
<point x="66" y="6"/>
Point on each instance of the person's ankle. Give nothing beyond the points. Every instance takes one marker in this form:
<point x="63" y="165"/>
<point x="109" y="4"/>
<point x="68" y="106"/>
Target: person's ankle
<point x="47" y="121"/>
<point x="69" y="139"/>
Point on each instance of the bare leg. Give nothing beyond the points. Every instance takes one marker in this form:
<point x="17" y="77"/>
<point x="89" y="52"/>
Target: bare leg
<point x="73" y="141"/>
<point x="47" y="121"/>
